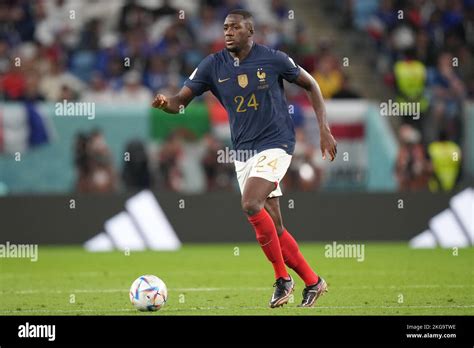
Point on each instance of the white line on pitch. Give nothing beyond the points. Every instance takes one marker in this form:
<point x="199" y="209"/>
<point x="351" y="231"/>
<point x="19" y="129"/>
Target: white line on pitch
<point x="228" y="308"/>
<point x="334" y="288"/>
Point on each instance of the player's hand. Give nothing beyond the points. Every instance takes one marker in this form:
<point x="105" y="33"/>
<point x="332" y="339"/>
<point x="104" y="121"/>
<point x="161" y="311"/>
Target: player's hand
<point x="328" y="144"/>
<point x="160" y="101"/>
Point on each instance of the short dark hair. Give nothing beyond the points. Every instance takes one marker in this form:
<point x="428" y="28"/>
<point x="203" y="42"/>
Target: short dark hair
<point x="243" y="13"/>
<point x="246" y="15"/>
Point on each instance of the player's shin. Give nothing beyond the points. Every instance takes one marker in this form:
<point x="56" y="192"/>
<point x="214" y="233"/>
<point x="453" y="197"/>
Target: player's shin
<point x="268" y="239"/>
<point x="295" y="259"/>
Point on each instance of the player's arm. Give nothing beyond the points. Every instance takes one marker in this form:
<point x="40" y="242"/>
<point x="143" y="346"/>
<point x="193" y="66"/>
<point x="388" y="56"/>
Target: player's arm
<point x="173" y="104"/>
<point x="198" y="82"/>
<point x="328" y="143"/>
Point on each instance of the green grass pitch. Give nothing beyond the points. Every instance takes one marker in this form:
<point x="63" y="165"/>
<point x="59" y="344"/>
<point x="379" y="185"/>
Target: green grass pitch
<point x="223" y="280"/>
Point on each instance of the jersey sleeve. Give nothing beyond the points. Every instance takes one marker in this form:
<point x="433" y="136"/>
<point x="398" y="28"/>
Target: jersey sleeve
<point x="200" y="80"/>
<point x="287" y="68"/>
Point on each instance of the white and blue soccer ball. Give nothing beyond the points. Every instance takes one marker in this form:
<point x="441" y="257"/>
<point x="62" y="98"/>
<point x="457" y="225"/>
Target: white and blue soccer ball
<point x="148" y="293"/>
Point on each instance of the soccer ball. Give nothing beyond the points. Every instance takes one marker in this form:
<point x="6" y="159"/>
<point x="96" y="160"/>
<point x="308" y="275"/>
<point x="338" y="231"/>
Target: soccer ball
<point x="148" y="293"/>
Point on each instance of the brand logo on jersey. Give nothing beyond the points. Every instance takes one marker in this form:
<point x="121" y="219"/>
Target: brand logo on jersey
<point x="243" y="80"/>
<point x="261" y="75"/>
<point x="223" y="80"/>
<point x="193" y="74"/>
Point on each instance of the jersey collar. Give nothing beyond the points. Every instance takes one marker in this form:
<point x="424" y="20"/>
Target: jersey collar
<point x="252" y="49"/>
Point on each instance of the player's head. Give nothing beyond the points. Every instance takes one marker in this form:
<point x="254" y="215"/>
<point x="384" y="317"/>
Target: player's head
<point x="238" y="30"/>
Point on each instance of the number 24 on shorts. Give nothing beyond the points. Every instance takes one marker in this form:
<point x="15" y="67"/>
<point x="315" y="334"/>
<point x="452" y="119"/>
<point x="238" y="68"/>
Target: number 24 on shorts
<point x="260" y="165"/>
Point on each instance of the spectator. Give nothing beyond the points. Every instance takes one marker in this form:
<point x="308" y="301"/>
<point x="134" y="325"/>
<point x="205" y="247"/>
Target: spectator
<point x="133" y="91"/>
<point x="346" y="91"/>
<point x="68" y="94"/>
<point x="208" y="26"/>
<point x="13" y="83"/>
<point x="81" y="161"/>
<point x="157" y="76"/>
<point x="382" y="21"/>
<point x="446" y="161"/>
<point x="410" y="81"/>
<point x="134" y="49"/>
<point x="425" y="50"/>
<point x="166" y="9"/>
<point x="5" y="58"/>
<point x="98" y="90"/>
<point x="412" y="166"/>
<point x="267" y="34"/>
<point x="303" y="174"/>
<point x="448" y="92"/>
<point x="32" y="92"/>
<point x="94" y="164"/>
<point x="304" y="50"/>
<point x="280" y="9"/>
<point x="136" y="173"/>
<point x="134" y="16"/>
<point x="219" y="176"/>
<point x="52" y="84"/>
<point x="169" y="171"/>
<point x="90" y="36"/>
<point x="328" y="76"/>
<point x="114" y="73"/>
<point x="52" y="24"/>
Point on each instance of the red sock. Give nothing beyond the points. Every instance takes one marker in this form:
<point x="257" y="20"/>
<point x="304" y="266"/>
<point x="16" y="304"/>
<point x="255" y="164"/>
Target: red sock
<point x="295" y="259"/>
<point x="268" y="238"/>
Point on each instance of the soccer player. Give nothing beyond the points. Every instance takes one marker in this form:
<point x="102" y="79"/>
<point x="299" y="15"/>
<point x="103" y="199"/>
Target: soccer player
<point x="247" y="78"/>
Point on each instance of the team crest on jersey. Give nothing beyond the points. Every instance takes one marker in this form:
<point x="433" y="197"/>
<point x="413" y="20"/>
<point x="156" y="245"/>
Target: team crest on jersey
<point x="261" y="75"/>
<point x="243" y="80"/>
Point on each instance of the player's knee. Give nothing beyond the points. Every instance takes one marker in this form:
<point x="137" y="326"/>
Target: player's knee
<point x="251" y="206"/>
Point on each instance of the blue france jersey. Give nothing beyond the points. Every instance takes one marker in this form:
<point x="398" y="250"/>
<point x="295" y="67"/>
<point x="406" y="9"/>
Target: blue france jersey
<point x="253" y="95"/>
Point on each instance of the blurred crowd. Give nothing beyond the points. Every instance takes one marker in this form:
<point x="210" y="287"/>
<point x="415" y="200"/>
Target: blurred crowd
<point x="425" y="53"/>
<point x="124" y="52"/>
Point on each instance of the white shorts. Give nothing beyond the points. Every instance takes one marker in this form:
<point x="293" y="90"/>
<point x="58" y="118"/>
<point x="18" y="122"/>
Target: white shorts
<point x="270" y="165"/>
